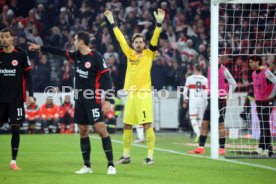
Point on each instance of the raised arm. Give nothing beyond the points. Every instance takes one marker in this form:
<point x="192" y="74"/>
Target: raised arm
<point x="159" y="16"/>
<point x="118" y="34"/>
<point x="52" y="50"/>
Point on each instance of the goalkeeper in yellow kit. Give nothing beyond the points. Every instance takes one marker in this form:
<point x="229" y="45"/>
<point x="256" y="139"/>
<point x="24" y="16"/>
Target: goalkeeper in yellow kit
<point x="138" y="109"/>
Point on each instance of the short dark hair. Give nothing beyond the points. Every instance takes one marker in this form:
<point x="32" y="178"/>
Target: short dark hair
<point x="198" y="68"/>
<point x="84" y="36"/>
<point x="256" y="58"/>
<point x="137" y="35"/>
<point x="5" y="30"/>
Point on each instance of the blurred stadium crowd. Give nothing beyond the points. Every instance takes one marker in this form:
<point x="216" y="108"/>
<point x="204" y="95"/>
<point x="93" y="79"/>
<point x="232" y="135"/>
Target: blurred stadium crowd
<point x="184" y="40"/>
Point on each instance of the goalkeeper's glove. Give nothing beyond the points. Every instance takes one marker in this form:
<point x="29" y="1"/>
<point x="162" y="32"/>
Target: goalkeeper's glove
<point x="109" y="16"/>
<point x="159" y="16"/>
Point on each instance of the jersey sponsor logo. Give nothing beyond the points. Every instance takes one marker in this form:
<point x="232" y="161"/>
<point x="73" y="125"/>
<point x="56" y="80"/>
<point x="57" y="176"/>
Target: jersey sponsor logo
<point x="7" y="72"/>
<point x="14" y="62"/>
<point x="87" y="64"/>
<point x="134" y="62"/>
<point x="83" y="74"/>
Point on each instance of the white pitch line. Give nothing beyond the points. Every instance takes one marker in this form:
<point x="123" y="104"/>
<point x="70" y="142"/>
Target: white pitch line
<point x="198" y="156"/>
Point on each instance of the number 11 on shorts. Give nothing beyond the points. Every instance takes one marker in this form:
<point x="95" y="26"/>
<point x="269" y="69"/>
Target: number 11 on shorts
<point x="19" y="112"/>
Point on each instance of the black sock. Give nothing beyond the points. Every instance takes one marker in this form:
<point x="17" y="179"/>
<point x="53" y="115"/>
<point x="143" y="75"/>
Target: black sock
<point x="222" y="142"/>
<point x="202" y="140"/>
<point x="15" y="130"/>
<point x="85" y="150"/>
<point x="107" y="147"/>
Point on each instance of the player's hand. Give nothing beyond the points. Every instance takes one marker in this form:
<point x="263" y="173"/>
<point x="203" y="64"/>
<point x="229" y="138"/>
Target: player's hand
<point x="30" y="100"/>
<point x="33" y="47"/>
<point x="106" y="106"/>
<point x="267" y="98"/>
<point x="159" y="15"/>
<point x="185" y="104"/>
<point x="108" y="14"/>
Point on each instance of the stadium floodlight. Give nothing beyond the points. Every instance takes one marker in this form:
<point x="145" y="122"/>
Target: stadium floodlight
<point x="240" y="28"/>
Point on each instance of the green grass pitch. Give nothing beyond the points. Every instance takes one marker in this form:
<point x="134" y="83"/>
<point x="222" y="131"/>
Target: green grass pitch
<point x="52" y="159"/>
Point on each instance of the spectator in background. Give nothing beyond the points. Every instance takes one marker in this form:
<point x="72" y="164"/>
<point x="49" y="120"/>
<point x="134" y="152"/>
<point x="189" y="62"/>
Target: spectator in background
<point x="132" y="8"/>
<point x="41" y="14"/>
<point x="50" y="116"/>
<point x="188" y="53"/>
<point x="66" y="114"/>
<point x="111" y="51"/>
<point x="106" y="39"/>
<point x="55" y="38"/>
<point x="4" y="15"/>
<point x="43" y="69"/>
<point x="76" y="27"/>
<point x="32" y="20"/>
<point x="67" y="75"/>
<point x="159" y="80"/>
<point x="33" y="36"/>
<point x="171" y="35"/>
<point x="33" y="117"/>
<point x="175" y="76"/>
<point x="114" y="5"/>
<point x="112" y="65"/>
<point x="63" y="21"/>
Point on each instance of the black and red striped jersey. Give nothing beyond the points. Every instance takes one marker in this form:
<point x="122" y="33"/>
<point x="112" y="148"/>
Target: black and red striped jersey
<point x="13" y="67"/>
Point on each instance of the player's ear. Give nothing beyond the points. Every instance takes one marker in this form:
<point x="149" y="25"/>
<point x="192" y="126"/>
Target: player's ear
<point x="81" y="42"/>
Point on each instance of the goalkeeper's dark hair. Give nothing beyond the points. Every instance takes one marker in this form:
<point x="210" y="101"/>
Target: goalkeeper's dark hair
<point x="256" y="58"/>
<point x="198" y="68"/>
<point x="8" y="30"/>
<point x="137" y="35"/>
<point x="84" y="36"/>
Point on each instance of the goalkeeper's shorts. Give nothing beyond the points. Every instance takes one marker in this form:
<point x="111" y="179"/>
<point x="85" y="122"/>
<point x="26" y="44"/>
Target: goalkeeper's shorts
<point x="138" y="109"/>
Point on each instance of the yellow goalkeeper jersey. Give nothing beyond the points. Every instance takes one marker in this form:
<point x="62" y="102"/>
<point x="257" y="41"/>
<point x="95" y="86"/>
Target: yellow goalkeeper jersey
<point x="138" y="67"/>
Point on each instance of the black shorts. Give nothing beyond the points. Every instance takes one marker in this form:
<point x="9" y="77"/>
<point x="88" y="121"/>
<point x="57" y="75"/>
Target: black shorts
<point x="12" y="112"/>
<point x="88" y="112"/>
<point x="222" y="105"/>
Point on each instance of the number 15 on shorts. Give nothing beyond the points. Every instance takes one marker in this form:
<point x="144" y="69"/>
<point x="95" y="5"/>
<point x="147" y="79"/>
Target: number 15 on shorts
<point x="96" y="113"/>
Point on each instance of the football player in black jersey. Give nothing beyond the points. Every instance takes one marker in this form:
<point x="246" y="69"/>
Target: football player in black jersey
<point x="15" y="76"/>
<point x="91" y="75"/>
